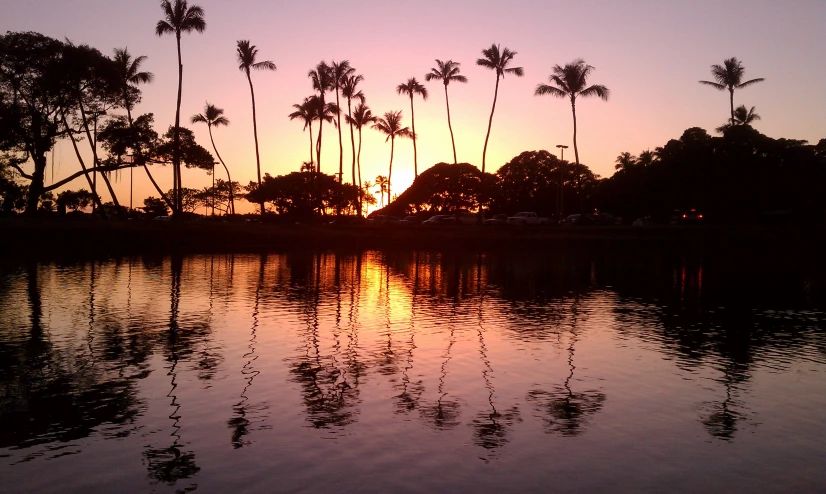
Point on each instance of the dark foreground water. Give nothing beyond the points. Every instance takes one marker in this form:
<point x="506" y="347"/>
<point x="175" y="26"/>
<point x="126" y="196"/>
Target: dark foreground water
<point x="412" y="372"/>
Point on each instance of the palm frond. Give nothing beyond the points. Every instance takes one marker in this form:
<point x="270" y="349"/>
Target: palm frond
<point x="163" y="27"/>
<point x="715" y="85"/>
<point x="543" y="89"/>
<point x="749" y="83"/>
<point x="596" y="90"/>
<point x="265" y="65"/>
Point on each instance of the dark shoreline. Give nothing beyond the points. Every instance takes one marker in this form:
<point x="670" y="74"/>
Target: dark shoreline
<point x="46" y="239"/>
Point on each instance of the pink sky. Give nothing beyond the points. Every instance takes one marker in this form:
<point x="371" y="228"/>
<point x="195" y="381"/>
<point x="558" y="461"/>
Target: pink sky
<point x="649" y="53"/>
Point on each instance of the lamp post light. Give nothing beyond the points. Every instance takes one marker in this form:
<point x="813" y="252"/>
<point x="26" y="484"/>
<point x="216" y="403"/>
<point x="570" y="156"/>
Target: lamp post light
<point x="560" y="199"/>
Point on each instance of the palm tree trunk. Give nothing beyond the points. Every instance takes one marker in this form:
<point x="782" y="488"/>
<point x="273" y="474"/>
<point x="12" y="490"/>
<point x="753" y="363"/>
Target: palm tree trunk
<point x="452" y="141"/>
<point x="320" y="130"/>
<point x="311" y="144"/>
<point x="490" y="122"/>
<point x="353" y="145"/>
<point x="340" y="145"/>
<point x="95" y="196"/>
<point x="231" y="198"/>
<point x="731" y="94"/>
<point x="92" y="145"/>
<point x="176" y="147"/>
<point x="255" y="135"/>
<point x="576" y="156"/>
<point x="358" y="158"/>
<point x="415" y="156"/>
<point x="390" y="172"/>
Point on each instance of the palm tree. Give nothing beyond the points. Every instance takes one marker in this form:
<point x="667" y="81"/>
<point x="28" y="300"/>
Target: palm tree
<point x="625" y="161"/>
<point x="497" y="60"/>
<point x="742" y="116"/>
<point x="322" y="80"/>
<point x="447" y="72"/>
<point x="246" y="61"/>
<point x="340" y="72"/>
<point x="411" y="88"/>
<point x="391" y="126"/>
<point x="214" y="117"/>
<point x="179" y="18"/>
<point x="306" y="112"/>
<point x="382" y="183"/>
<point x="350" y="90"/>
<point x="129" y="76"/>
<point x="570" y="81"/>
<point x="362" y="116"/>
<point x="730" y="76"/>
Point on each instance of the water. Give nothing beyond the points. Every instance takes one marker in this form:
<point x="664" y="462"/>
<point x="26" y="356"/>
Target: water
<point x="411" y="372"/>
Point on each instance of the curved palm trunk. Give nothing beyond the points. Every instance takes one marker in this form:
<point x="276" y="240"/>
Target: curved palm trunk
<point x="176" y="148"/>
<point x="40" y="167"/>
<point x="151" y="178"/>
<point x="340" y="145"/>
<point x="92" y="144"/>
<point x="353" y="145"/>
<point x="255" y="135"/>
<point x="311" y="143"/>
<point x="452" y="141"/>
<point x="320" y="130"/>
<point x="358" y="158"/>
<point x="229" y="180"/>
<point x="490" y="123"/>
<point x="415" y="156"/>
<point x="576" y="156"/>
<point x="390" y="172"/>
<point x="731" y="99"/>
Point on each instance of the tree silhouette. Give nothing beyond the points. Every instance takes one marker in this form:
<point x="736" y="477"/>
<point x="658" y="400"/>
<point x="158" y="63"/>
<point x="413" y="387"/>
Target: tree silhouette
<point x="340" y="72"/>
<point x="214" y="117"/>
<point x="322" y="80"/>
<point x="497" y="60"/>
<point x="391" y="126"/>
<point x="381" y="183"/>
<point x="411" y="88"/>
<point x="447" y="72"/>
<point x="179" y="18"/>
<point x="742" y="116"/>
<point x="350" y="90"/>
<point x="306" y="112"/>
<point x="129" y="76"/>
<point x="571" y="81"/>
<point x="729" y="76"/>
<point x="361" y="116"/>
<point x="246" y="61"/>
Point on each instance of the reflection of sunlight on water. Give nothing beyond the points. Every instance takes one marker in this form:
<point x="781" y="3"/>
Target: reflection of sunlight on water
<point x="415" y="363"/>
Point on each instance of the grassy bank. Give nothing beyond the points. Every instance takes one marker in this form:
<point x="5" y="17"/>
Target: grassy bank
<point x="58" y="238"/>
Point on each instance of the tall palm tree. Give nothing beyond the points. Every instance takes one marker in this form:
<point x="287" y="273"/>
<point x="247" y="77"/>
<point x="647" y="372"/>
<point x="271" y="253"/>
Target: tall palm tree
<point x="129" y="77"/>
<point x="350" y="90"/>
<point x="381" y="183"/>
<point x="498" y="60"/>
<point x="362" y="116"/>
<point x="730" y="76"/>
<point x="447" y="72"/>
<point x="391" y="126"/>
<point x="570" y="82"/>
<point x="322" y="80"/>
<point x="179" y="18"/>
<point x="214" y="117"/>
<point x="246" y="61"/>
<point x="340" y="72"/>
<point x="306" y="112"/>
<point x="411" y="88"/>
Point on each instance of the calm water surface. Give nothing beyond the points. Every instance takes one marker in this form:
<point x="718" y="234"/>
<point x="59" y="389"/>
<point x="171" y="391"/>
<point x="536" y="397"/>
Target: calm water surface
<point x="411" y="372"/>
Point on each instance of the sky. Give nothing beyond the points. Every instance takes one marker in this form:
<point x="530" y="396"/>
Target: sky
<point x="650" y="54"/>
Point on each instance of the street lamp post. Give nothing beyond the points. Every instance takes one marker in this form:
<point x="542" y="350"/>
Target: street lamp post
<point x="560" y="199"/>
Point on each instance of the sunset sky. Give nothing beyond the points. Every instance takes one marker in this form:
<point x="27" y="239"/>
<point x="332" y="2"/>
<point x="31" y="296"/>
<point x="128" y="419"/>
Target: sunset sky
<point x="650" y="54"/>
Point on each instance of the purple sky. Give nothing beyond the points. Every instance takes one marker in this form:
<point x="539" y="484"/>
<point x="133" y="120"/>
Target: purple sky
<point x="649" y="53"/>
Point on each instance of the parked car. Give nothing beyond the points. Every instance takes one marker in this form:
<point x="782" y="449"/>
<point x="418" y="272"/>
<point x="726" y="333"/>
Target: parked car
<point x="578" y="220"/>
<point x="686" y="217"/>
<point x="467" y="218"/>
<point x="411" y="220"/>
<point x="527" y="218"/>
<point x="440" y="219"/>
<point x="498" y="219"/>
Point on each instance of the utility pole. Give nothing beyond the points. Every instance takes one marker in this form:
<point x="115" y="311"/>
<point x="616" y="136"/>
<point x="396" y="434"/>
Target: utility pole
<point x="560" y="199"/>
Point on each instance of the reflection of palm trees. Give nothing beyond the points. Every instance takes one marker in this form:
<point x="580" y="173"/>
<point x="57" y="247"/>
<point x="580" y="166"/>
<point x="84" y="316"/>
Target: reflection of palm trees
<point x="444" y="414"/>
<point x="239" y="423"/>
<point x="568" y="411"/>
<point x="172" y="463"/>
<point x="722" y="418"/>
